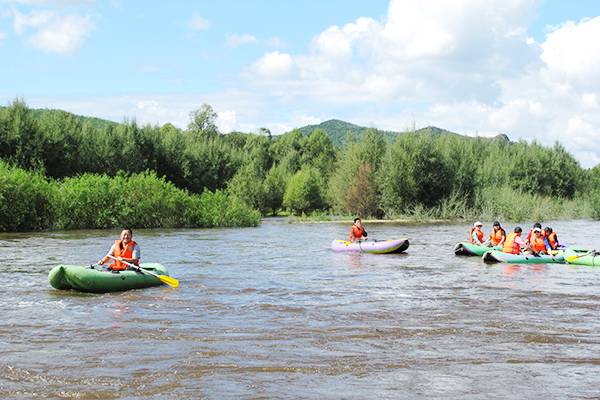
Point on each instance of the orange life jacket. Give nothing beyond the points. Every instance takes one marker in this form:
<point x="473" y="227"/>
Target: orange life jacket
<point x="356" y="232"/>
<point x="553" y="240"/>
<point x="479" y="235"/>
<point x="122" y="251"/>
<point x="510" y="246"/>
<point x="530" y="234"/>
<point x="496" y="236"/>
<point x="537" y="244"/>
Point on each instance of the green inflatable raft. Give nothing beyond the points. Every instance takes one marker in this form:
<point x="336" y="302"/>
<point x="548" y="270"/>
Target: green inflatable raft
<point x="95" y="280"/>
<point x="496" y="256"/>
<point x="471" y="249"/>
<point x="583" y="257"/>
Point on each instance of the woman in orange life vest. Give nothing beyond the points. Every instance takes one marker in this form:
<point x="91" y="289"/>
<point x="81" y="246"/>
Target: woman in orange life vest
<point x="357" y="232"/>
<point x="537" y="245"/>
<point x="514" y="243"/>
<point x="498" y="235"/>
<point x="476" y="234"/>
<point x="536" y="225"/>
<point x="551" y="238"/>
<point x="124" y="249"/>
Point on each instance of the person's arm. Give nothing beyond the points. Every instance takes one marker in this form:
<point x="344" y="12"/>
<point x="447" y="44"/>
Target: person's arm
<point x="503" y="239"/>
<point x="364" y="233"/>
<point x="352" y="238"/>
<point x="135" y="256"/>
<point x="520" y="242"/>
<point x="106" y="257"/>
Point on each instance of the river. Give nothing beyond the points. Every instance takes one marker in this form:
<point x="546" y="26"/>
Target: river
<point x="272" y="313"/>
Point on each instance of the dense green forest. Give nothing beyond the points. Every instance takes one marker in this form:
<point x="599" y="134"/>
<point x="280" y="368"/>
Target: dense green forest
<point x="59" y="170"/>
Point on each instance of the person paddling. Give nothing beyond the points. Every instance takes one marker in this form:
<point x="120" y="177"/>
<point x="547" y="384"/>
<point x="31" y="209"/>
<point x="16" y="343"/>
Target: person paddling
<point x="498" y="235"/>
<point x="476" y="234"/>
<point x="357" y="231"/>
<point x="514" y="243"/>
<point x="124" y="249"/>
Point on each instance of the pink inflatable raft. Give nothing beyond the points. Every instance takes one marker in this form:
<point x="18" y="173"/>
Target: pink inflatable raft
<point x="371" y="246"/>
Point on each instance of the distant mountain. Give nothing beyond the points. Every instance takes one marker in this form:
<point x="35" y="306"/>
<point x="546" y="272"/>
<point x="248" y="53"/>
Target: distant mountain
<point x="337" y="131"/>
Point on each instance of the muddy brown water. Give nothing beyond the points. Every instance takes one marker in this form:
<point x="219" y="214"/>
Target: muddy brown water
<point x="272" y="313"/>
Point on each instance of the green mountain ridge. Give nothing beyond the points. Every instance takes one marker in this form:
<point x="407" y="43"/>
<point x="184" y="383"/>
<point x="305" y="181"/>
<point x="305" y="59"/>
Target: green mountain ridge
<point x="338" y="131"/>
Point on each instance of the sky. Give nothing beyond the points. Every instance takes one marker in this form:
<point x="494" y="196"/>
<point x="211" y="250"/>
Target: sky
<point x="527" y="68"/>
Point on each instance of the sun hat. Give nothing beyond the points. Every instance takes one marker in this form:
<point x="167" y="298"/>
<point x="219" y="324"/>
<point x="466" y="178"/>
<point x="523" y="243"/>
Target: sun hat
<point x="478" y="223"/>
<point x="537" y="230"/>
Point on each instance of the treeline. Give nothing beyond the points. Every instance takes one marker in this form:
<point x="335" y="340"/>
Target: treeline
<point x="30" y="201"/>
<point x="430" y="175"/>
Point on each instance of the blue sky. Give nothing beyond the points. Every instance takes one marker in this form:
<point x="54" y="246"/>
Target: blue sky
<point x="527" y="68"/>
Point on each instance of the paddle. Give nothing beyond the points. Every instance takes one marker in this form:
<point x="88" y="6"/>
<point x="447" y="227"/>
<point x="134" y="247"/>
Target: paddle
<point x="572" y="258"/>
<point x="163" y="278"/>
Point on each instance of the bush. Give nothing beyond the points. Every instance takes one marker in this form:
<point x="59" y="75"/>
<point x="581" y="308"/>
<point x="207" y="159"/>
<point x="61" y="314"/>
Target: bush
<point x="25" y="200"/>
<point x="218" y="209"/>
<point x="304" y="191"/>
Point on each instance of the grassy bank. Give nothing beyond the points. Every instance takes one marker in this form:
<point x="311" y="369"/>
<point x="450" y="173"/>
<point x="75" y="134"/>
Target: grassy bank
<point x="503" y="203"/>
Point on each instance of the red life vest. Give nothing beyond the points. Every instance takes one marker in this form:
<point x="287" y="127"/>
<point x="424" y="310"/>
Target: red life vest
<point x="124" y="251"/>
<point x="510" y="246"/>
<point x="356" y="232"/>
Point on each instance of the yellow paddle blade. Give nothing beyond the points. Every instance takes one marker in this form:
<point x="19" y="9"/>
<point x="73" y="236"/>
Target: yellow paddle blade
<point x="571" y="258"/>
<point x="169" y="280"/>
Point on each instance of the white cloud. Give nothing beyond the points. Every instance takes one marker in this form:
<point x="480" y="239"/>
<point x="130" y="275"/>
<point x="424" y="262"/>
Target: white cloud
<point x="226" y="121"/>
<point x="198" y="23"/>
<point x="572" y="52"/>
<point x="239" y="40"/>
<point x="52" y="32"/>
<point x="63" y="35"/>
<point x="2" y="36"/>
<point x="274" y="65"/>
<point x="35" y="19"/>
<point x="445" y="50"/>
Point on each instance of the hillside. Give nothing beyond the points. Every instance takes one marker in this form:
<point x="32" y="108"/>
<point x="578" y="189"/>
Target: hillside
<point x="337" y="131"/>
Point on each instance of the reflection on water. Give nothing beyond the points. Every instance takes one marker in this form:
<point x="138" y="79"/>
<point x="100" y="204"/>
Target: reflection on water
<point x="271" y="312"/>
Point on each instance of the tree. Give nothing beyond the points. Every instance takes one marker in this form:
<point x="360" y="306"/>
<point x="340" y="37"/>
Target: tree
<point x="203" y="122"/>
<point x="304" y="191"/>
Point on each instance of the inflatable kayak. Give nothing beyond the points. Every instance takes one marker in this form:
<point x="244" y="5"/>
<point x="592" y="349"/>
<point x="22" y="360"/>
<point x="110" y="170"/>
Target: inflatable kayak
<point x="371" y="246"/>
<point x="583" y="257"/>
<point x="88" y="279"/>
<point x="495" y="256"/>
<point x="471" y="249"/>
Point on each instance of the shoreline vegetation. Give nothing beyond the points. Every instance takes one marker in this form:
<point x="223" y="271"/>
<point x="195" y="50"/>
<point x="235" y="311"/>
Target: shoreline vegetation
<point x="63" y="171"/>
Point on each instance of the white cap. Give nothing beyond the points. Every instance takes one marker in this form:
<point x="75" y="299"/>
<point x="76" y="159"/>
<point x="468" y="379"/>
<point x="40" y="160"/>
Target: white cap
<point x="478" y="223"/>
<point x="537" y="230"/>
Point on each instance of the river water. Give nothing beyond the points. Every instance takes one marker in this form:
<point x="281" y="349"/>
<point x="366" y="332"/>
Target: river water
<point x="272" y="313"/>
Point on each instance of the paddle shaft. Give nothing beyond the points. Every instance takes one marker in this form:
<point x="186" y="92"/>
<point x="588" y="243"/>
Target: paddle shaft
<point x="135" y="267"/>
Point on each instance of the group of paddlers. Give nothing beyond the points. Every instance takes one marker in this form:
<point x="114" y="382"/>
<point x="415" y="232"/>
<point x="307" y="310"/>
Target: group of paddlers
<point x="538" y="241"/>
